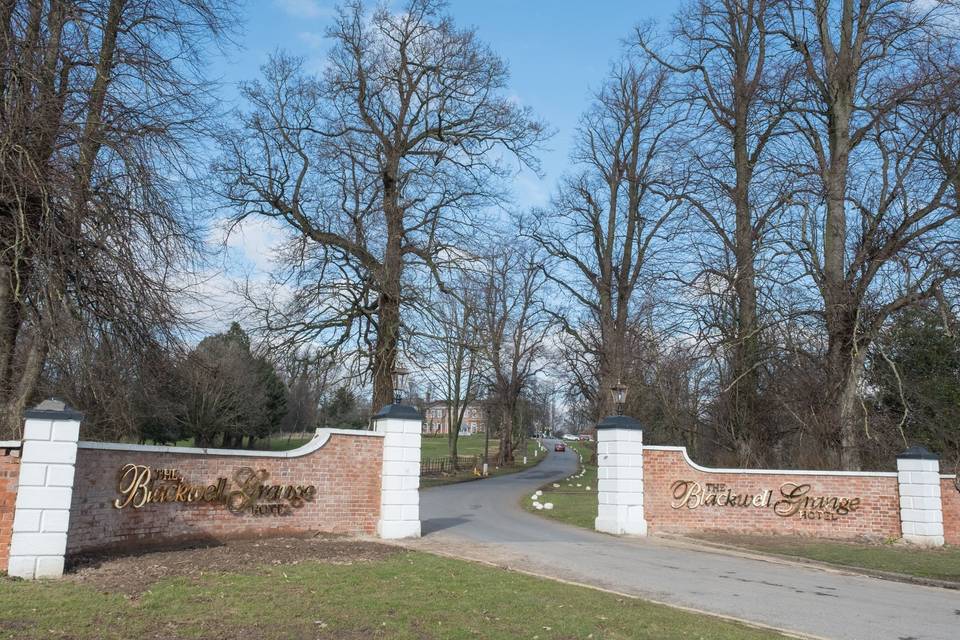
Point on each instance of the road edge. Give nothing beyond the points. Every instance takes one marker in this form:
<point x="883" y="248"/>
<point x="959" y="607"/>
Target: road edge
<point x="833" y="567"/>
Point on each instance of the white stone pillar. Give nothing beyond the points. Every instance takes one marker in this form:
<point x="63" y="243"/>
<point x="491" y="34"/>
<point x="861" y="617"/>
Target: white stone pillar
<point x="620" y="477"/>
<point x="400" y="479"/>
<point x="44" y="491"/>
<point x="921" y="508"/>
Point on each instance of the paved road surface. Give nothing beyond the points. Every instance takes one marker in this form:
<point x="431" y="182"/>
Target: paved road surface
<point x="483" y="520"/>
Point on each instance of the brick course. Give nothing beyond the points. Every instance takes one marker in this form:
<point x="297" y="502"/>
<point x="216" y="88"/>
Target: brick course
<point x="878" y="513"/>
<point x="345" y="470"/>
<point x="950" y="495"/>
<point x="9" y="476"/>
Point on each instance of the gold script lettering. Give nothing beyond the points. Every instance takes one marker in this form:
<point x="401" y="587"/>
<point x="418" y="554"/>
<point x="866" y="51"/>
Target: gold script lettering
<point x="133" y="486"/>
<point x="686" y="494"/>
<point x="794" y="499"/>
<point x="139" y="485"/>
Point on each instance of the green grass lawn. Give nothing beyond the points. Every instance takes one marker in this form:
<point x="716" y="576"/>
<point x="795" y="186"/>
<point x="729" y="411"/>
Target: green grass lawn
<point x="436" y="446"/>
<point x="468" y="474"/>
<point x="939" y="564"/>
<point x="576" y="505"/>
<point x="404" y="596"/>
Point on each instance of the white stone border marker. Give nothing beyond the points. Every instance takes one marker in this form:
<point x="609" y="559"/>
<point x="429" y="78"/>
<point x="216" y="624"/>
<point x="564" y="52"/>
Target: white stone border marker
<point x="921" y="506"/>
<point x="400" y="479"/>
<point x="44" y="491"/>
<point x="620" y="477"/>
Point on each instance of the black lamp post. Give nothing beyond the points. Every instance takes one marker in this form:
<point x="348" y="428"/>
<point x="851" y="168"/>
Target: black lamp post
<point x="619" y="393"/>
<point x="396" y="409"/>
<point x="399" y="375"/>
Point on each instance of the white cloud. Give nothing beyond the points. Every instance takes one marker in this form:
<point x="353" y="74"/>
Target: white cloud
<point x="253" y="243"/>
<point x="210" y="302"/>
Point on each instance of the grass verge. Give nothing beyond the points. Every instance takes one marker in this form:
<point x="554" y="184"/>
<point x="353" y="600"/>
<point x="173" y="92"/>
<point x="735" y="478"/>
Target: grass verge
<point x="574" y="498"/>
<point x="936" y="564"/>
<point x="404" y="596"/>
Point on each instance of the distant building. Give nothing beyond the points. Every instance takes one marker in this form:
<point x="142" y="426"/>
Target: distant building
<point x="435" y="418"/>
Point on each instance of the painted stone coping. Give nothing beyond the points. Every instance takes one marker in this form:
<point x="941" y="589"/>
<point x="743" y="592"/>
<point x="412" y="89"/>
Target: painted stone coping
<point x="797" y="472"/>
<point x="320" y="438"/>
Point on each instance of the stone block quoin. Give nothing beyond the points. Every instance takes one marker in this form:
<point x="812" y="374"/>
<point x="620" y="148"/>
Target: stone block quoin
<point x="620" y="477"/>
<point x="921" y="504"/>
<point x="44" y="491"/>
<point x="401" y="427"/>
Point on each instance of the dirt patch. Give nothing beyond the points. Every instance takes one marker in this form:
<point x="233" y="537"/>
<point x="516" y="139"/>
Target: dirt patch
<point x="133" y="574"/>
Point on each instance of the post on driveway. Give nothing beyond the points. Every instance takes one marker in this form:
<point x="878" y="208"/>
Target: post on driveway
<point x="620" y="477"/>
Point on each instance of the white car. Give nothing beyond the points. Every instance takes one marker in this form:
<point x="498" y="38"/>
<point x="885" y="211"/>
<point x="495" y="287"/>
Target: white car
<point x="570" y="436"/>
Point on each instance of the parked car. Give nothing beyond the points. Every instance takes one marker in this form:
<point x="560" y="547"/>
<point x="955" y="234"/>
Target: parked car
<point x="560" y="447"/>
<point x="586" y="438"/>
<point x="569" y="436"/>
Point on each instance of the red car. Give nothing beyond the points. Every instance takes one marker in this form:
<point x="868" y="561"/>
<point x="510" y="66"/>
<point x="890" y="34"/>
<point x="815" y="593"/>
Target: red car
<point x="560" y="447"/>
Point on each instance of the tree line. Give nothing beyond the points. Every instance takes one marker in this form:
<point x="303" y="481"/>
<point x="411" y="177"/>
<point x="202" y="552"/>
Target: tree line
<point x="757" y="231"/>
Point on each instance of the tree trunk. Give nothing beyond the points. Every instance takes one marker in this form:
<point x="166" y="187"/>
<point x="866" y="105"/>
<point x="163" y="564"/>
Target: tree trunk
<point x="844" y="371"/>
<point x="388" y="316"/>
<point x="743" y="394"/>
<point x="839" y="307"/>
<point x="15" y="402"/>
<point x="506" y="437"/>
<point x="453" y="429"/>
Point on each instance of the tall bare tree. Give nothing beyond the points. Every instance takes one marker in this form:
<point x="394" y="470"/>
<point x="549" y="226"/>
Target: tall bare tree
<point x="607" y="220"/>
<point x="737" y="80"/>
<point x="515" y="328"/>
<point x="878" y="227"/>
<point x="99" y="102"/>
<point x="449" y="353"/>
<point x="374" y="168"/>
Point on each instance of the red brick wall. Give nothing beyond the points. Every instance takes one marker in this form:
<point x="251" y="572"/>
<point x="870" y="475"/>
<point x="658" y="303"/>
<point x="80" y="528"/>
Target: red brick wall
<point x="950" y="495"/>
<point x="877" y="515"/>
<point x="9" y="476"/>
<point x="346" y="471"/>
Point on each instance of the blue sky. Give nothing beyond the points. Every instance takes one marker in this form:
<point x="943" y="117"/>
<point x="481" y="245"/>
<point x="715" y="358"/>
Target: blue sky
<point x="557" y="51"/>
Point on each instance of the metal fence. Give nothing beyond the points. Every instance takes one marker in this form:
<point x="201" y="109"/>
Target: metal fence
<point x="444" y="464"/>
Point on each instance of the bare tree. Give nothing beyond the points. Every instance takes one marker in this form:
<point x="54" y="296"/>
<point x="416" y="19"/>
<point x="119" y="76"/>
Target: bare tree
<point x="99" y="103"/>
<point x="449" y="350"/>
<point x="606" y="222"/>
<point x="515" y="327"/>
<point x="310" y="379"/>
<point x="877" y="228"/>
<point x="736" y="83"/>
<point x="374" y="169"/>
